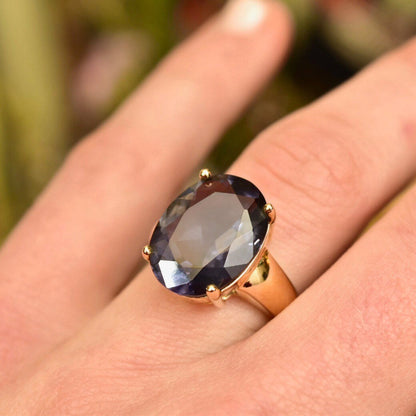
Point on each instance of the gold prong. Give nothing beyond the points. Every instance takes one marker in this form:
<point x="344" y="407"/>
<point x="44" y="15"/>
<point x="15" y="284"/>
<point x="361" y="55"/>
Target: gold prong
<point x="146" y="252"/>
<point x="205" y="174"/>
<point x="214" y="295"/>
<point x="271" y="213"/>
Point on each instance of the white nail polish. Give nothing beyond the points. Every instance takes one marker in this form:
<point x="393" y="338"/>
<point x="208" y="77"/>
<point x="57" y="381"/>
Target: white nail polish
<point x="243" y="15"/>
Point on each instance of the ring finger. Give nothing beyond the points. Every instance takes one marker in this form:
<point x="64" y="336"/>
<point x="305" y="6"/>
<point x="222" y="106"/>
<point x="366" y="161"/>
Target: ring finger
<point x="327" y="169"/>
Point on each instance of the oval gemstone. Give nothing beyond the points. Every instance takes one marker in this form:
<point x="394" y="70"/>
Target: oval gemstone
<point x="208" y="235"/>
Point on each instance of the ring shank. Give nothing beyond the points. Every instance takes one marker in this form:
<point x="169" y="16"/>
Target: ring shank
<point x="268" y="288"/>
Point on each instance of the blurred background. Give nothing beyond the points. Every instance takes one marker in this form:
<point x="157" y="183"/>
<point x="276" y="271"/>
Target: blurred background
<point x="66" y="64"/>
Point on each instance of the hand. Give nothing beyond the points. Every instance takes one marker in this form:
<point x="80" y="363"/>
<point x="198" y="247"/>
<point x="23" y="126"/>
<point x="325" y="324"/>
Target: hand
<point x="77" y="337"/>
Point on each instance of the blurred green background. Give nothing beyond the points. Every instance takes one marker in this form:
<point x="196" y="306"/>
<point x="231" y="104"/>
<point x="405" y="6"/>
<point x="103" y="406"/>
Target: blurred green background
<point x="66" y="64"/>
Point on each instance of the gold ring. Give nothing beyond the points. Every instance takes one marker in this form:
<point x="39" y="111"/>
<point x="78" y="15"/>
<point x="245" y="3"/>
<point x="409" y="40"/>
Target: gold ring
<point x="211" y="244"/>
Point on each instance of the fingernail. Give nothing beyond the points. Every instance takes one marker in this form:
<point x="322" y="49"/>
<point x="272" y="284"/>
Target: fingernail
<point x="243" y="15"/>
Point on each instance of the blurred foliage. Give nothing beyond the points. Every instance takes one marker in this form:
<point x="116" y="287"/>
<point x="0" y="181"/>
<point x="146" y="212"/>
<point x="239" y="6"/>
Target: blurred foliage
<point x="66" y="64"/>
<point x="35" y="109"/>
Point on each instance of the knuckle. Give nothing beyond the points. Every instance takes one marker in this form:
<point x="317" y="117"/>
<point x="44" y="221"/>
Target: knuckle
<point x="316" y="158"/>
<point x="101" y="156"/>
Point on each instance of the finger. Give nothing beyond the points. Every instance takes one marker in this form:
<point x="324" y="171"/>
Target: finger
<point x="79" y="244"/>
<point x="330" y="167"/>
<point x="323" y="199"/>
<point x="347" y="345"/>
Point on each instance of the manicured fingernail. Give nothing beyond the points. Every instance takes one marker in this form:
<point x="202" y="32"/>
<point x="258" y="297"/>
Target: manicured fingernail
<point x="243" y="15"/>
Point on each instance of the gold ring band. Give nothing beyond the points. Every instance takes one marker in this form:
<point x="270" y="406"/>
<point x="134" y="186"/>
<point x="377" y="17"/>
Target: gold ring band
<point x="268" y="288"/>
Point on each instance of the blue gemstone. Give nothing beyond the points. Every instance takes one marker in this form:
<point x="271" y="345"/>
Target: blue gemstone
<point x="208" y="235"/>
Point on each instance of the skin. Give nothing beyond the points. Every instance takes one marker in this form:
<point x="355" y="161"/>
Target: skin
<point x="80" y="336"/>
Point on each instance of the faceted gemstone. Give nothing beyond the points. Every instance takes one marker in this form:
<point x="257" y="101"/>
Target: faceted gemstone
<point x="208" y="235"/>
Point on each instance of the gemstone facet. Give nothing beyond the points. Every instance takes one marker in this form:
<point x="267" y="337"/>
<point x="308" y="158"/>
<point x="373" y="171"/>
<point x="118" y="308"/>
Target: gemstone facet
<point x="208" y="235"/>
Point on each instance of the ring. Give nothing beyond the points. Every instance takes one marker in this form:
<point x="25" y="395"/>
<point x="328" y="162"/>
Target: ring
<point x="210" y="244"/>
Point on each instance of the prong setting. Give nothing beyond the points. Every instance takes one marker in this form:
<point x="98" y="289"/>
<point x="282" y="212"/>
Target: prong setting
<point x="192" y="212"/>
<point x="271" y="213"/>
<point x="146" y="252"/>
<point x="214" y="295"/>
<point x="205" y="174"/>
